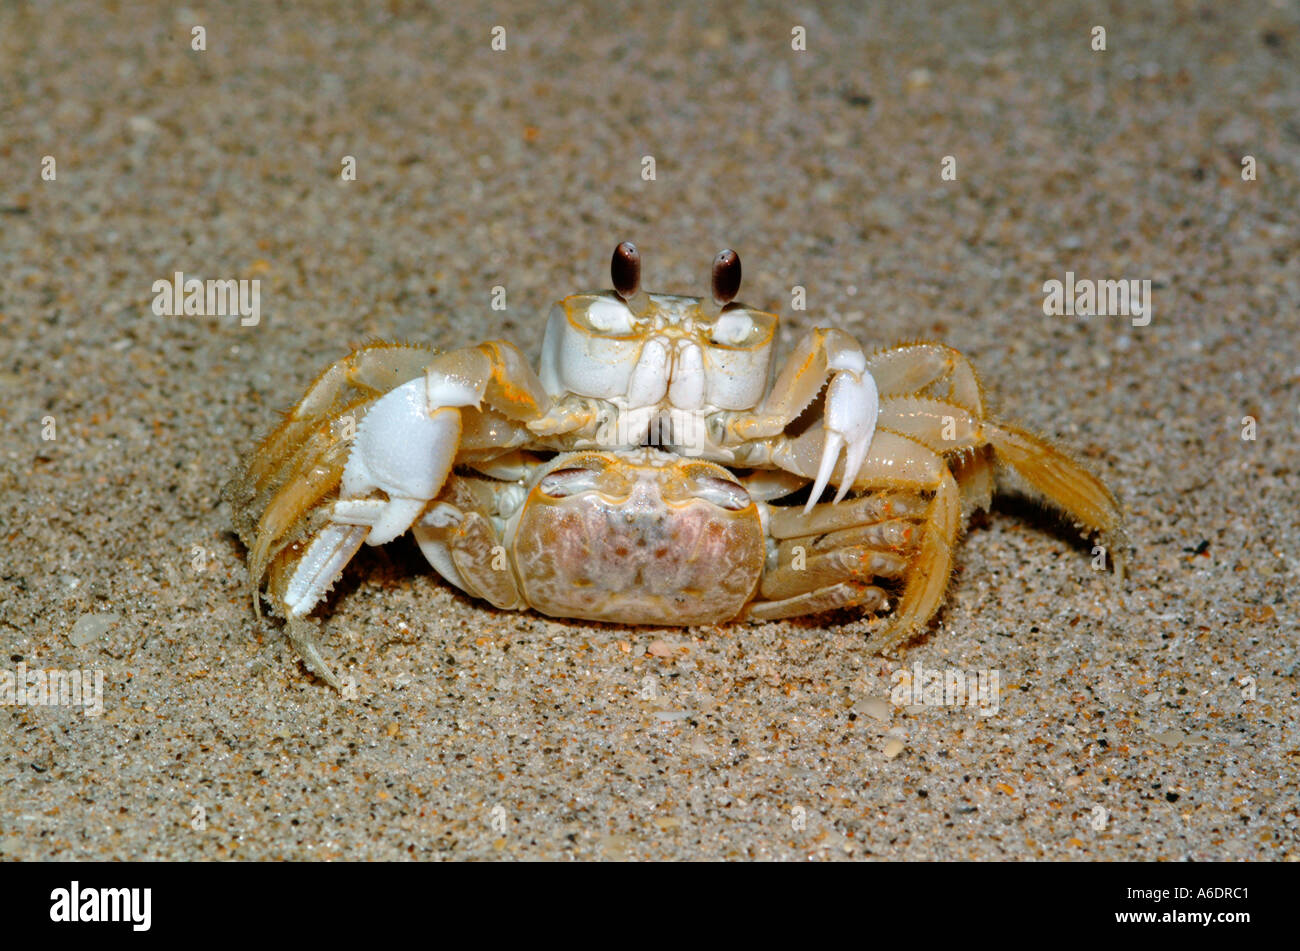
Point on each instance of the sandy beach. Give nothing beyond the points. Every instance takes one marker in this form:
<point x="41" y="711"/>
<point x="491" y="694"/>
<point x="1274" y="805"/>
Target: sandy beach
<point x="919" y="173"/>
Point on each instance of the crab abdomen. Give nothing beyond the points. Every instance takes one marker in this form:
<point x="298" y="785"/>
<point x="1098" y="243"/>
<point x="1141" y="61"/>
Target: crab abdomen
<point x="637" y="544"/>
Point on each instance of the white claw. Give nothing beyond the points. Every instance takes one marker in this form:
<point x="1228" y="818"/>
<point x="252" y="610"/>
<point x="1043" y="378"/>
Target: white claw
<point x="830" y="454"/>
<point x="321" y="566"/>
<point x="852" y="405"/>
<point x="853" y="459"/>
<point x="405" y="447"/>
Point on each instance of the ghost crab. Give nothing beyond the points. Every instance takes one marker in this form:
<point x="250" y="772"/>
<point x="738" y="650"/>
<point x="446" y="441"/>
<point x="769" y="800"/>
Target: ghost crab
<point x="654" y="471"/>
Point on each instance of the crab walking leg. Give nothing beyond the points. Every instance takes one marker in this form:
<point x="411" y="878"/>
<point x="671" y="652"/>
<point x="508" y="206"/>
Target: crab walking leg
<point x="405" y="448"/>
<point x="973" y="470"/>
<point x="820" y="570"/>
<point x="902" y="463"/>
<point x="895" y="461"/>
<point x="1054" y="474"/>
<point x="1063" y="482"/>
<point x="464" y="547"/>
<point x="897" y="536"/>
<point x="899" y="462"/>
<point x="921" y="367"/>
<point x="878" y="546"/>
<point x="931" y="567"/>
<point x="944" y="427"/>
<point x="301" y="632"/>
<point x="311" y="474"/>
<point x="301" y="461"/>
<point x="852" y="403"/>
<point x="846" y="594"/>
<point x="904" y="469"/>
<point x="787" y="522"/>
<point x="952" y="431"/>
<point x="874" y="533"/>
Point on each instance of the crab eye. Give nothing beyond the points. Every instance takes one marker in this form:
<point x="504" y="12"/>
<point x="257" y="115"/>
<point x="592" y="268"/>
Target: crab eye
<point x="625" y="268"/>
<point x="726" y="277"/>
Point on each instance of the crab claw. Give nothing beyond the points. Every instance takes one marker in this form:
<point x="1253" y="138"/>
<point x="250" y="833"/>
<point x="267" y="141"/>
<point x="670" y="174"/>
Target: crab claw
<point x="852" y="405"/>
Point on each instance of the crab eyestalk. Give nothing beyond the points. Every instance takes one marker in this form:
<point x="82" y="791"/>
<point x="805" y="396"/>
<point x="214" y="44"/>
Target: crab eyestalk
<point x="725" y="282"/>
<point x="625" y="270"/>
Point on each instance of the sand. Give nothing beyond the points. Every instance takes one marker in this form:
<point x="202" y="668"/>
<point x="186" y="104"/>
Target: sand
<point x="1153" y="719"/>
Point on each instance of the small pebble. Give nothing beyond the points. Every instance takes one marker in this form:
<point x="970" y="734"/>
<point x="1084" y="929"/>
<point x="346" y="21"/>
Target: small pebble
<point x="615" y="846"/>
<point x="875" y="708"/>
<point x="90" y="627"/>
<point x="893" y="748"/>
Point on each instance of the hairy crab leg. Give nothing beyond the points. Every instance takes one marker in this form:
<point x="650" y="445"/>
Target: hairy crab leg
<point x="900" y="463"/>
<point x="846" y="594"/>
<point x="360" y="377"/>
<point x="407" y="443"/>
<point x="894" y="461"/>
<point x="931" y="568"/>
<point x="942" y="426"/>
<point x="313" y="474"/>
<point x="973" y="469"/>
<point x="845" y="545"/>
<point x="1049" y="471"/>
<point x="922" y="368"/>
<point x="951" y="431"/>
<point x="1063" y="482"/>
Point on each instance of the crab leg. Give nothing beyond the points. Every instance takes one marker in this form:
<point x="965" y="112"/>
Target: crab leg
<point x="460" y="541"/>
<point x="846" y="594"/>
<point x="788" y="522"/>
<point x="950" y="430"/>
<point x="1063" y="482"/>
<point x="931" y="568"/>
<point x="854" y="562"/>
<point x="897" y="523"/>
<point x="922" y="368"/>
<point x="943" y="427"/>
<point x="360" y="377"/>
<point x="954" y="432"/>
<point x="813" y="559"/>
<point x="896" y="535"/>
<point x="895" y="461"/>
<point x="973" y="470"/>
<point x="301" y="460"/>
